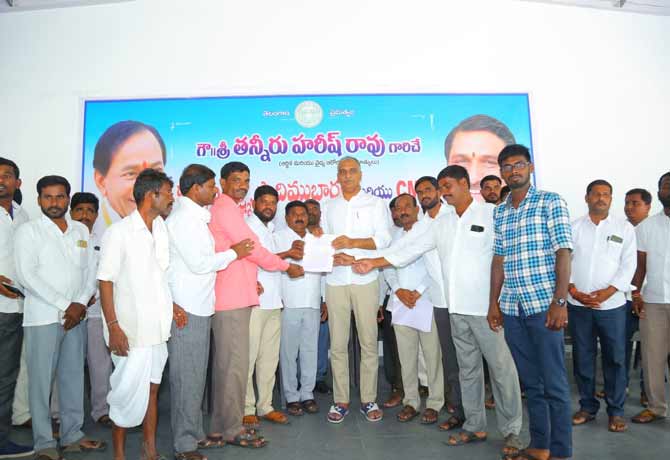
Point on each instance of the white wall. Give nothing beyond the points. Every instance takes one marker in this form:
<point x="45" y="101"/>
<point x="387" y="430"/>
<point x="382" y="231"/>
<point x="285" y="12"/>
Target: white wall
<point x="599" y="81"/>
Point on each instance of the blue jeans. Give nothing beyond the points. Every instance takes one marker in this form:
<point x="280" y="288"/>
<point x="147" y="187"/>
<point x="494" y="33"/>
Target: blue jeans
<point x="587" y="326"/>
<point x="322" y="353"/>
<point x="539" y="355"/>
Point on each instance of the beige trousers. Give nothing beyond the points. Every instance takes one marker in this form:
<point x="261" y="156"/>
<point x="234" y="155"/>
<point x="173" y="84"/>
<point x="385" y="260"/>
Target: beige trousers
<point x="409" y="340"/>
<point x="264" y="334"/>
<point x="363" y="300"/>
<point x="655" y="339"/>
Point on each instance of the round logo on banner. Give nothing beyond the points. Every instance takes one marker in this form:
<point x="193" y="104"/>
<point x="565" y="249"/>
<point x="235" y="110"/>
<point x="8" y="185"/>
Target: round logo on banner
<point x="308" y="114"/>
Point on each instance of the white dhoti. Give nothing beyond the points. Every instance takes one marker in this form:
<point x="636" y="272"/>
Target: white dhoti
<point x="130" y="383"/>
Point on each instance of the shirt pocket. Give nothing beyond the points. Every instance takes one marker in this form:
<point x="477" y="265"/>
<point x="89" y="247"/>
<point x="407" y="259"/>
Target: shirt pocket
<point x="613" y="251"/>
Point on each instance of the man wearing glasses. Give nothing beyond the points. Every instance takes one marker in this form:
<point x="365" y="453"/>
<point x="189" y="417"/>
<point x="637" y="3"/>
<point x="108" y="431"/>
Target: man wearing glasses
<point x="530" y="273"/>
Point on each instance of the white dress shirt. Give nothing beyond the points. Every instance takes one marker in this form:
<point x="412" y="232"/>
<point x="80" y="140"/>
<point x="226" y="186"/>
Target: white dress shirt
<point x="432" y="259"/>
<point x="603" y="255"/>
<point x="193" y="260"/>
<point x="136" y="262"/>
<point x="303" y="292"/>
<point x="413" y="276"/>
<point x="363" y="216"/>
<point x="270" y="299"/>
<point x="8" y="226"/>
<point x="53" y="267"/>
<point x="95" y="311"/>
<point x="465" y="247"/>
<point x="653" y="238"/>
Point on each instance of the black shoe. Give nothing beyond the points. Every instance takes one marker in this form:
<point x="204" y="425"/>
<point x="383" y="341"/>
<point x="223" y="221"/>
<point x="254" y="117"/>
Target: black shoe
<point x="322" y="387"/>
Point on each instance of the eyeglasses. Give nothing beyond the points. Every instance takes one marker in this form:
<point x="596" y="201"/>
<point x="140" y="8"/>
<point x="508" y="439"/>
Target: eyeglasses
<point x="516" y="166"/>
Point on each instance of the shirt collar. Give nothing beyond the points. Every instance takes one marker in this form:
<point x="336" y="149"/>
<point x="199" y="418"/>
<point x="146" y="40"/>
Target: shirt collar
<point x="194" y="208"/>
<point x="508" y="201"/>
<point x="136" y="221"/>
<point x="269" y="227"/>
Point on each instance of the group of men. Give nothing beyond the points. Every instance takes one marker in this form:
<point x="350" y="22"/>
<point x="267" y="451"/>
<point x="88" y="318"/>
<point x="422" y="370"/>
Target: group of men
<point x="176" y="277"/>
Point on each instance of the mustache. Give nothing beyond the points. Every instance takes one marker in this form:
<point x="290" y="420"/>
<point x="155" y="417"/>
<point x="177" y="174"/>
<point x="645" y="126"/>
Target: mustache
<point x="404" y="216"/>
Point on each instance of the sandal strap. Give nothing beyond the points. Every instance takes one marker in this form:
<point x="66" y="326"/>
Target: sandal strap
<point x="369" y="407"/>
<point x="336" y="409"/>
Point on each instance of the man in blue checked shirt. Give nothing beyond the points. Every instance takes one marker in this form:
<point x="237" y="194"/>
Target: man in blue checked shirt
<point x="530" y="273"/>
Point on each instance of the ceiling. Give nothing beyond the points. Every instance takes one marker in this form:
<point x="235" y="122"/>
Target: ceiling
<point x="656" y="7"/>
<point x="27" y="5"/>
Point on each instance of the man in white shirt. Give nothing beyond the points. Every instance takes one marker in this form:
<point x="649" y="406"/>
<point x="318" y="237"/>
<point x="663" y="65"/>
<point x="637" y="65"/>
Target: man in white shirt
<point x="637" y="205"/>
<point x="137" y="309"/>
<point x="265" y="322"/>
<point x="53" y="256"/>
<point x="603" y="262"/>
<point x="192" y="273"/>
<point x="361" y="222"/>
<point x="463" y="238"/>
<point x="300" y="320"/>
<point x="408" y="284"/>
<point x="84" y="208"/>
<point x="653" y="303"/>
<point x="314" y="222"/>
<point x="428" y="191"/>
<point x="11" y="305"/>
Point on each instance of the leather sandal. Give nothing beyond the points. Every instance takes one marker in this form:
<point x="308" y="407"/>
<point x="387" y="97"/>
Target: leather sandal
<point x="406" y="414"/>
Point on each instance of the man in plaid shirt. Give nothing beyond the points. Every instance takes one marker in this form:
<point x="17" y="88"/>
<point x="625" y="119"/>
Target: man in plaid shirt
<point x="530" y="274"/>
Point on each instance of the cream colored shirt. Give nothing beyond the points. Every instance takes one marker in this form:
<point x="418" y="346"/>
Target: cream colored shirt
<point x="136" y="262"/>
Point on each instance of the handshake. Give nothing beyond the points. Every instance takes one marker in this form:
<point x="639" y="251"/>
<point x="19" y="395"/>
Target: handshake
<point x="360" y="266"/>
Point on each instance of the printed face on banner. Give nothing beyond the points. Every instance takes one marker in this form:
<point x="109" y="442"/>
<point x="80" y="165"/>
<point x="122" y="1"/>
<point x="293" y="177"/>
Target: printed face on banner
<point x="295" y="143"/>
<point x="139" y="152"/>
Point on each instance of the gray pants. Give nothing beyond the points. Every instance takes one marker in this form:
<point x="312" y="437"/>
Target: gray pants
<point x="54" y="352"/>
<point x="299" y="340"/>
<point x="188" y="350"/>
<point x="472" y="339"/>
<point x="99" y="368"/>
<point x="11" y="337"/>
<point x="230" y="370"/>
<point x="449" y="361"/>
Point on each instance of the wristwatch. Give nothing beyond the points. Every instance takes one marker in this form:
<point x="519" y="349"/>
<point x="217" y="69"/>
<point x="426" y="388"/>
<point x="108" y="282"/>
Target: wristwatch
<point x="560" y="301"/>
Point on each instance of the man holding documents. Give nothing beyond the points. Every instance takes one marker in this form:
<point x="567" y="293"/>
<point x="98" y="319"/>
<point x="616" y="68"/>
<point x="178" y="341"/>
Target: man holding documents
<point x="300" y="319"/>
<point x="414" y="294"/>
<point x="360" y="222"/>
<point x="463" y="237"/>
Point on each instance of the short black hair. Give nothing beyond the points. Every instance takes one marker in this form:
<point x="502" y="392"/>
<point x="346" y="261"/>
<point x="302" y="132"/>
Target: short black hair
<point x="392" y="203"/>
<point x="479" y="123"/>
<point x="457" y="172"/>
<point x="149" y="180"/>
<point x="194" y="174"/>
<point x="114" y="137"/>
<point x="294" y="204"/>
<point x="644" y="194"/>
<point x="231" y="167"/>
<point x="11" y="164"/>
<point x="48" y="181"/>
<point x="414" y="202"/>
<point x="504" y="191"/>
<point x="18" y="196"/>
<point x="430" y="179"/>
<point x="661" y="179"/>
<point x="596" y="183"/>
<point x="488" y="178"/>
<point x="265" y="190"/>
<point x="512" y="151"/>
<point x="84" y="198"/>
<point x="312" y="201"/>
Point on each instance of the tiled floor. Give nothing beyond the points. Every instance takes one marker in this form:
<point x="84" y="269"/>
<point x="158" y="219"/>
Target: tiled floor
<point x="311" y="438"/>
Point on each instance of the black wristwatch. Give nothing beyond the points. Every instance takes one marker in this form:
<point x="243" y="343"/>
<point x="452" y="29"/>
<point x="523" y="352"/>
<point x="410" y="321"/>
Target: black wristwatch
<point x="560" y="301"/>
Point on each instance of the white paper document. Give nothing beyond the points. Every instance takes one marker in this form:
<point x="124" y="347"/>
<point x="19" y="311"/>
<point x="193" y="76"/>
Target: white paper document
<point x="318" y="254"/>
<point x="420" y="317"/>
